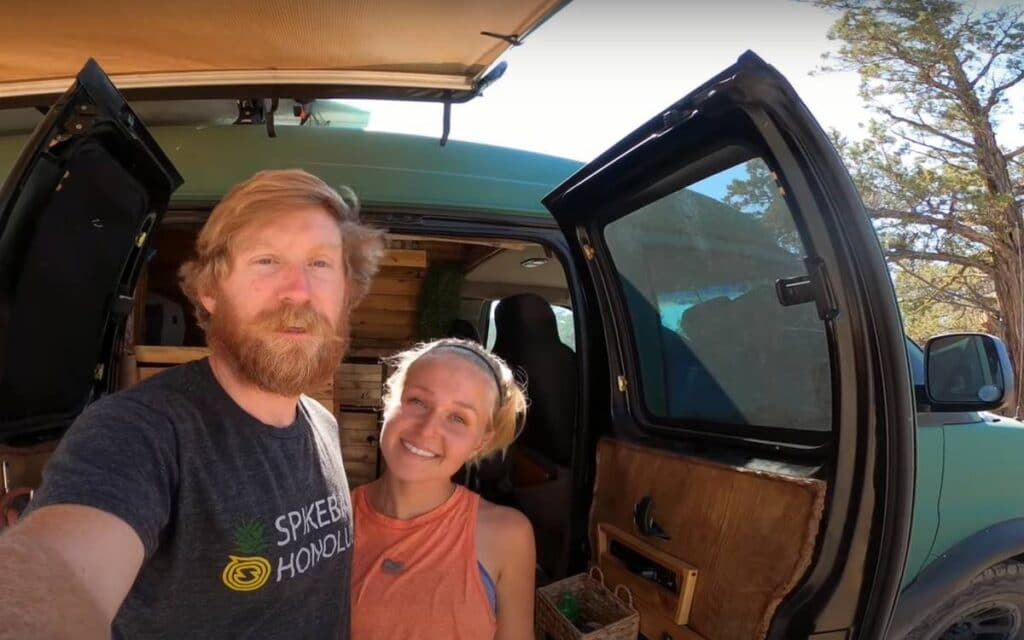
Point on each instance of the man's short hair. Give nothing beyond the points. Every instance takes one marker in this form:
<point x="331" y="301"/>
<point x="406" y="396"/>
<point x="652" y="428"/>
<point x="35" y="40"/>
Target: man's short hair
<point x="264" y="196"/>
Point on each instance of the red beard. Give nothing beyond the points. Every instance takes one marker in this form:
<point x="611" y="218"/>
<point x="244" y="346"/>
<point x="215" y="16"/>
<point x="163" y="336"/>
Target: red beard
<point x="273" y="362"/>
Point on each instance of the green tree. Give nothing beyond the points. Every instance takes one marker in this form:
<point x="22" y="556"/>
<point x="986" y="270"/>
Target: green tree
<point x="935" y="298"/>
<point x="931" y="168"/>
<point x="758" y="195"/>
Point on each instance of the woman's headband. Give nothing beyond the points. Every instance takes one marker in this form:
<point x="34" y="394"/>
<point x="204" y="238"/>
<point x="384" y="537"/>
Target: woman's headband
<point x="482" y="358"/>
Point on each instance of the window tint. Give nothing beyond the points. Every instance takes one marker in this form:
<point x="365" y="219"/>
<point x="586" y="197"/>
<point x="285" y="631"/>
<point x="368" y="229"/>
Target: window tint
<point x="563" y="316"/>
<point x="698" y="270"/>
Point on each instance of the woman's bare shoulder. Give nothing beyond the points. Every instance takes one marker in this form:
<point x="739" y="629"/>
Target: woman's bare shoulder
<point x="506" y="526"/>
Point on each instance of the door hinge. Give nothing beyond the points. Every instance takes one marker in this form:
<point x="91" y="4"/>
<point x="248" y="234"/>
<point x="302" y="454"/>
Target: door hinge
<point x="623" y="384"/>
<point x="588" y="248"/>
<point x="81" y="120"/>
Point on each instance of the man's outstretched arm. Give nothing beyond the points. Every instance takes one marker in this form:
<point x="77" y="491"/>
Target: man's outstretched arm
<point x="64" y="572"/>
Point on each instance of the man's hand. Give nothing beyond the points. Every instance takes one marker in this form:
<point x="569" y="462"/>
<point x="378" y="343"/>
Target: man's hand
<point x="64" y="572"/>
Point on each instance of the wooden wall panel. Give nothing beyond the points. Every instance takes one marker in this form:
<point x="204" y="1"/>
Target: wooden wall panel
<point x="382" y="302"/>
<point x="358" y="428"/>
<point x="358" y="385"/>
<point x="387" y="317"/>
<point x="749" y="534"/>
<point x="359" y="472"/>
<point x="413" y="258"/>
<point x="366" y="317"/>
<point x="360" y="440"/>
<point x="394" y="284"/>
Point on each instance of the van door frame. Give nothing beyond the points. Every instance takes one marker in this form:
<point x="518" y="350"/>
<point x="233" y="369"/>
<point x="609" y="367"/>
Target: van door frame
<point x="854" y="580"/>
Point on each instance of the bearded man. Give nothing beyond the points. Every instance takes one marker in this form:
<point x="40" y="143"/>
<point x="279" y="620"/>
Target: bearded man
<point x="210" y="500"/>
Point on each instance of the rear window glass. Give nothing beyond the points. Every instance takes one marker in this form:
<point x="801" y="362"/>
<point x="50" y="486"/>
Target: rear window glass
<point x="697" y="269"/>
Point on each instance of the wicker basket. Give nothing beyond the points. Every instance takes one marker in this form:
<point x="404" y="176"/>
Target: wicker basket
<point x="615" y="614"/>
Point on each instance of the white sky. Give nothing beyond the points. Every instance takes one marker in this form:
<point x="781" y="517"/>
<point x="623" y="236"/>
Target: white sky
<point x="600" y="68"/>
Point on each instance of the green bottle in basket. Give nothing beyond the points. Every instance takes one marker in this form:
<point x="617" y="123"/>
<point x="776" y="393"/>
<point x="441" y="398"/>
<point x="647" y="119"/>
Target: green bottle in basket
<point x="567" y="605"/>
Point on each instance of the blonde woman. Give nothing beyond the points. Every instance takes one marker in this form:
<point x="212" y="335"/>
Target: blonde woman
<point x="433" y="559"/>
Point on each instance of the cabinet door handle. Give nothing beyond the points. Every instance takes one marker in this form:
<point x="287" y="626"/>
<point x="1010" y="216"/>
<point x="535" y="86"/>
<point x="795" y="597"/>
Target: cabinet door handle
<point x="643" y="516"/>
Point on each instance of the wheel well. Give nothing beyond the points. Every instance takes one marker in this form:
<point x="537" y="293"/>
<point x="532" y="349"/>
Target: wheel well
<point x="955" y="569"/>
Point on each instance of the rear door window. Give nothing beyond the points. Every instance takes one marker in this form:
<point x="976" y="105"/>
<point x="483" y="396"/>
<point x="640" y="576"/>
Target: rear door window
<point x="698" y="269"/>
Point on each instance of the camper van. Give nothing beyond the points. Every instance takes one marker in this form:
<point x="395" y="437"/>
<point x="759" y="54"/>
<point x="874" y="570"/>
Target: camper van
<point x="723" y="415"/>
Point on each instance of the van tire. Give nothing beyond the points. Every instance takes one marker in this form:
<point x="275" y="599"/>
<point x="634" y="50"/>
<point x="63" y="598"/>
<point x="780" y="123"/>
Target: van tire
<point x="997" y="592"/>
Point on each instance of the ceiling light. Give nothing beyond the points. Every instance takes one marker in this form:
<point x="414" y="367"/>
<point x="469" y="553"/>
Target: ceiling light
<point x="533" y="263"/>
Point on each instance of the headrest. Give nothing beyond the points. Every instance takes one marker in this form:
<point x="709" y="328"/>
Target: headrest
<point x="464" y="329"/>
<point x="525" y="315"/>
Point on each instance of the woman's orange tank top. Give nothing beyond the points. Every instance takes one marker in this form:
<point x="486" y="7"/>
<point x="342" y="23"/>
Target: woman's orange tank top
<point x="419" y="578"/>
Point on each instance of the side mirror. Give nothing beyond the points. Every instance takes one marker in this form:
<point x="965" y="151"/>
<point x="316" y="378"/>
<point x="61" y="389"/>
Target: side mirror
<point x="967" y="372"/>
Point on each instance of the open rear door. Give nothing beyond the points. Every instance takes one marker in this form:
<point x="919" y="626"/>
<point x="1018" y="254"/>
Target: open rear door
<point x="76" y="213"/>
<point x="755" y="470"/>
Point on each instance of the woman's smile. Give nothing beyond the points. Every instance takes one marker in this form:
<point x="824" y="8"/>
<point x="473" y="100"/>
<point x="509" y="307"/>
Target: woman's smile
<point x="416" y="451"/>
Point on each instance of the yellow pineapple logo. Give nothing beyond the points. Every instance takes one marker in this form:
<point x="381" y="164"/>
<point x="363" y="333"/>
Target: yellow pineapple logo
<point x="247" y="571"/>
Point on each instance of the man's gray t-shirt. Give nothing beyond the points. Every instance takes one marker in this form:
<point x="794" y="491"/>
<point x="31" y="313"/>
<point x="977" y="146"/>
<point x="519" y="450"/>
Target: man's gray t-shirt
<point x="247" y="528"/>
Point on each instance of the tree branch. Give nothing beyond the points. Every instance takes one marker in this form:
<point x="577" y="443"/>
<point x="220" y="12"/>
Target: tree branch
<point x="952" y="152"/>
<point x="952" y="226"/>
<point x="937" y="256"/>
<point x="947" y="162"/>
<point x="937" y="289"/>
<point x="988" y="65"/>
<point x="976" y="300"/>
<point x="1013" y="154"/>
<point x="983" y="299"/>
<point x="926" y="127"/>
<point x="997" y="47"/>
<point x="924" y="73"/>
<point x="997" y="91"/>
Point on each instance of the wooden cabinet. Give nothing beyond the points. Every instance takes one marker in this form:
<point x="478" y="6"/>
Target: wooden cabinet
<point x="736" y="539"/>
<point x="360" y="444"/>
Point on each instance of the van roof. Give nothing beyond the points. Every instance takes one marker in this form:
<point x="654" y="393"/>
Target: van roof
<point x="384" y="169"/>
